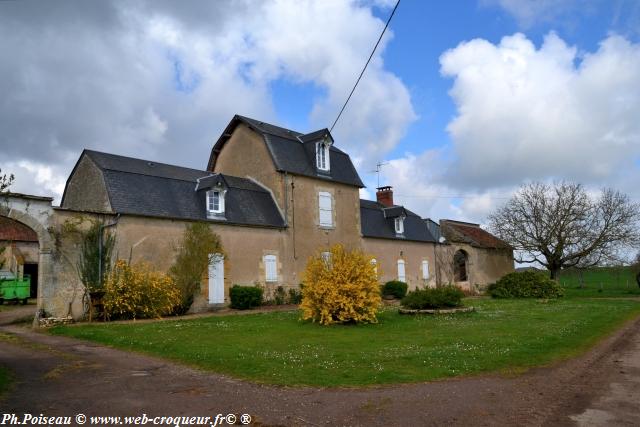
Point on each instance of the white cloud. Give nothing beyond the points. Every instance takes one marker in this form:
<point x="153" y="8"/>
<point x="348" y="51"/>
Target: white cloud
<point x="533" y="113"/>
<point x="531" y="12"/>
<point x="160" y="80"/>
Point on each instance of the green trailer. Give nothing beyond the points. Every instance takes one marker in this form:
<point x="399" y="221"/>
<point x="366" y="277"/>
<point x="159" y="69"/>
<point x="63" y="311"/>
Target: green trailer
<point x="14" y="289"/>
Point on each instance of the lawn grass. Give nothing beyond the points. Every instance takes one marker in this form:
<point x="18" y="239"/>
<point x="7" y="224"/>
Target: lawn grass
<point x="600" y="282"/>
<point x="278" y="348"/>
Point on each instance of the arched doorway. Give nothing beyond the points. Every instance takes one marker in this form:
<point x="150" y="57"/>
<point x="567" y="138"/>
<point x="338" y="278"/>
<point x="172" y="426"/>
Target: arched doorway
<point x="461" y="266"/>
<point x="19" y="253"/>
<point x="35" y="213"/>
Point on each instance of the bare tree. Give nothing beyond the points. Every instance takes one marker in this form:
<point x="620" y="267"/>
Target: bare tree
<point x="5" y="181"/>
<point x="561" y="226"/>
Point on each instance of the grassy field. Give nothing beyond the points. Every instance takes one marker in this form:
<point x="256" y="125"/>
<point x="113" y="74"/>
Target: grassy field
<point x="600" y="282"/>
<point x="278" y="348"/>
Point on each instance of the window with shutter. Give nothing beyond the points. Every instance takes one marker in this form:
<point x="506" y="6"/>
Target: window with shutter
<point x="425" y="270"/>
<point x="401" y="274"/>
<point x="325" y="209"/>
<point x="271" y="268"/>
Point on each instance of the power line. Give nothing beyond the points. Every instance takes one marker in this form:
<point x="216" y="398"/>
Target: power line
<point x="365" y="66"/>
<point x="452" y="197"/>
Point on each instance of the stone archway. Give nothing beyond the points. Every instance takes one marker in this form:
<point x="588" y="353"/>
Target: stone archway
<point x="34" y="212"/>
<point x="461" y="266"/>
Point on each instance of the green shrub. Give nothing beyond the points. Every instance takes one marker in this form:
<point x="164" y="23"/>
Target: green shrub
<point x="433" y="298"/>
<point x="137" y="292"/>
<point x="295" y="295"/>
<point x="245" y="297"/>
<point x="395" y="288"/>
<point x="526" y="284"/>
<point x="280" y="296"/>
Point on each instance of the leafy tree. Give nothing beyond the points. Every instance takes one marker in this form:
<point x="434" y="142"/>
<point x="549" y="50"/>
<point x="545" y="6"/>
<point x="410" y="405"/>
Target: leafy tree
<point x="95" y="263"/>
<point x="340" y="288"/>
<point x="199" y="245"/>
<point x="5" y="181"/>
<point x="561" y="225"/>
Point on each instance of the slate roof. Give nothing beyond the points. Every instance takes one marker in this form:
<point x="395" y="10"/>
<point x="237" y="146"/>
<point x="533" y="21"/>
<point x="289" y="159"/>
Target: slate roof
<point x="290" y="154"/>
<point x="14" y="231"/>
<point x="472" y="234"/>
<point x="375" y="224"/>
<point x="142" y="187"/>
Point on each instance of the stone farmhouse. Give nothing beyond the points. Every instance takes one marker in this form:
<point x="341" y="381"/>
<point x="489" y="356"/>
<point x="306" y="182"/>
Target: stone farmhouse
<point x="274" y="196"/>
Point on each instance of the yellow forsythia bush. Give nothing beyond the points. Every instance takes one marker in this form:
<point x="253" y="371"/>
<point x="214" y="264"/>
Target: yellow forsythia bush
<point x="342" y="288"/>
<point x="136" y="292"/>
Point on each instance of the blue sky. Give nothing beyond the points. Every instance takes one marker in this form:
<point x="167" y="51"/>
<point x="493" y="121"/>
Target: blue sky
<point x="465" y="98"/>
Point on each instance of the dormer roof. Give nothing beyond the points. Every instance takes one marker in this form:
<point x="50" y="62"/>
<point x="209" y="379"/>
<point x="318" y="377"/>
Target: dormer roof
<point x="291" y="152"/>
<point x="147" y="188"/>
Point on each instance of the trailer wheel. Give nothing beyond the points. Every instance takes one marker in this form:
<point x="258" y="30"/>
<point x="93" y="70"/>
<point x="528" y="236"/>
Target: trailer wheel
<point x="1" y="301"/>
<point x="24" y="301"/>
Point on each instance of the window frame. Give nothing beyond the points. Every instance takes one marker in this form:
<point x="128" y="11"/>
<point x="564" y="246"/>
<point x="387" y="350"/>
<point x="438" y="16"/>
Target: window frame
<point x="399" y="225"/>
<point x="267" y="260"/>
<point x="322" y="156"/>
<point x="425" y="263"/>
<point x="211" y="201"/>
<point x="328" y="196"/>
<point x="402" y="278"/>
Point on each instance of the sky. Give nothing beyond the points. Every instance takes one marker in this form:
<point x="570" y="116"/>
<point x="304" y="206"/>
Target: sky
<point x="463" y="101"/>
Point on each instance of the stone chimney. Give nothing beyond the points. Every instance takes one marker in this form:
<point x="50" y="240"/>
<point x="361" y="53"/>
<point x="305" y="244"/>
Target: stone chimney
<point x="385" y="196"/>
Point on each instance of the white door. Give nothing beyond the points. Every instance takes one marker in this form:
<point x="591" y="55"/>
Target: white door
<point x="216" y="279"/>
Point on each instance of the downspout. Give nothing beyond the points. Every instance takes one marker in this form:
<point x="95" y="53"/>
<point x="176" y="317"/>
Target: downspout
<point x="102" y="227"/>
<point x="293" y="218"/>
<point x="286" y="201"/>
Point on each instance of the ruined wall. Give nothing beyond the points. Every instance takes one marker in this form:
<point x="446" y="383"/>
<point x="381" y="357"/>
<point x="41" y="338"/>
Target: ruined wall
<point x="86" y="188"/>
<point x="484" y="265"/>
<point x="387" y="253"/>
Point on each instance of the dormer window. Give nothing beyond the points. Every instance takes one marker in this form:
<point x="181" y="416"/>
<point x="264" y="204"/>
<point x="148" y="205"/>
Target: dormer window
<point x="322" y="155"/>
<point x="399" y="223"/>
<point x="215" y="202"/>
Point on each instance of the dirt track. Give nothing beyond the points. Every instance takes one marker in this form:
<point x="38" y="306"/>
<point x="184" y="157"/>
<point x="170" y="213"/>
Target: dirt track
<point x="61" y="376"/>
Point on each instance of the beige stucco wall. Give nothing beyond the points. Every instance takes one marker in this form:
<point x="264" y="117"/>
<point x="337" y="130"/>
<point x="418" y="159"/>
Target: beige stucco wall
<point x="155" y="241"/>
<point x="387" y="253"/>
<point x="484" y="266"/>
<point x="245" y="154"/>
<point x="86" y="188"/>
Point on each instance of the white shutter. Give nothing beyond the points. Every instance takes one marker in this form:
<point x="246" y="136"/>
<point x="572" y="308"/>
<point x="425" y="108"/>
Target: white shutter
<point x="425" y="270"/>
<point x="401" y="275"/>
<point x="325" y="209"/>
<point x="271" y="268"/>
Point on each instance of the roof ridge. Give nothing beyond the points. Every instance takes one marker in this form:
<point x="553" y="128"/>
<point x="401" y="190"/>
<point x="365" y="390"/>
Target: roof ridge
<point x="154" y="162"/>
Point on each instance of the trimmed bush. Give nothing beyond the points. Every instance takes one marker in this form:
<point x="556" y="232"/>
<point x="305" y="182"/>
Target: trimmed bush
<point x="526" y="284"/>
<point x="433" y="298"/>
<point x="295" y="295"/>
<point x="395" y="288"/>
<point x="340" y="288"/>
<point x="137" y="292"/>
<point x="245" y="297"/>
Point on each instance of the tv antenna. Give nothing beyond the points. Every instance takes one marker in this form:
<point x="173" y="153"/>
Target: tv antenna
<point x="379" y="166"/>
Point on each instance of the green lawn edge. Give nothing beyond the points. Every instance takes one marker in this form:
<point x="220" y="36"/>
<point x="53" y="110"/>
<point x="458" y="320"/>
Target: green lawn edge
<point x="612" y="315"/>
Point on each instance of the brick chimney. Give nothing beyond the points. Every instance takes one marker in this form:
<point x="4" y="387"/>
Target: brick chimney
<point x="385" y="196"/>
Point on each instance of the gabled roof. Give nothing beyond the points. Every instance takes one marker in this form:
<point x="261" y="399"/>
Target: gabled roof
<point x="290" y="154"/>
<point x="470" y="233"/>
<point x="142" y="187"/>
<point x="375" y="224"/>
